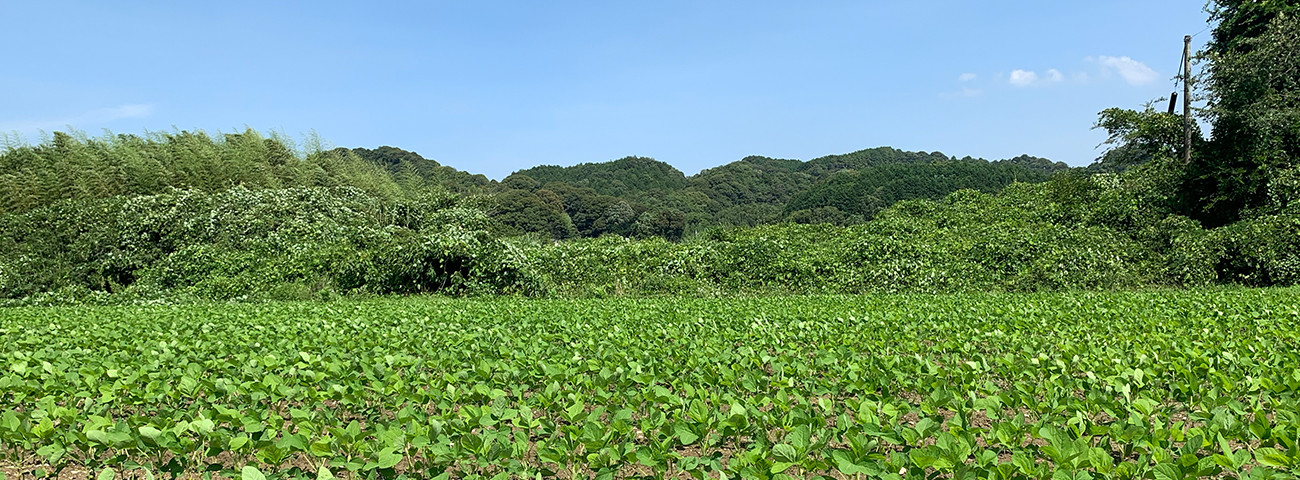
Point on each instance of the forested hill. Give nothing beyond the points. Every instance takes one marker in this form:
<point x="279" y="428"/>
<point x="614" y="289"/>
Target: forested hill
<point x="632" y="196"/>
<point x="402" y="163"/>
<point x="642" y="196"/>
<point x="625" y="176"/>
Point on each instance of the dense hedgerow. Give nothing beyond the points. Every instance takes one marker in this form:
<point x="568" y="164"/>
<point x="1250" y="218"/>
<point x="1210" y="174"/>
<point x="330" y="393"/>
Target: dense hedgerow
<point x="243" y="243"/>
<point x="1071" y="233"/>
<point x="245" y="217"/>
<point x="916" y="246"/>
<point x="1074" y="232"/>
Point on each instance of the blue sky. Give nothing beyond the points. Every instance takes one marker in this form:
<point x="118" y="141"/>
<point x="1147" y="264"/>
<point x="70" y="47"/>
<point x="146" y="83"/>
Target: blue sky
<point x="493" y="87"/>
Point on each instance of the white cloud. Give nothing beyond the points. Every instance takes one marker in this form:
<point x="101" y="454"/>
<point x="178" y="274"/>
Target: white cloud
<point x="1022" y="78"/>
<point x="87" y="119"/>
<point x="1133" y="71"/>
<point x="966" y="77"/>
<point x="1028" y="78"/>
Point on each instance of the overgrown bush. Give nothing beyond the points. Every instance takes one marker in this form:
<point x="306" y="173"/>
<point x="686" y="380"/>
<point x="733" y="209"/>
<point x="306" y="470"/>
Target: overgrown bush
<point x="1077" y="231"/>
<point x="240" y="244"/>
<point x="1074" y="232"/>
<point x="1262" y="251"/>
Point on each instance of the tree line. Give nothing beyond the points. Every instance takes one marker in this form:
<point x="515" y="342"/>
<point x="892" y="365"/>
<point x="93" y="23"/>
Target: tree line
<point x="632" y="196"/>
<point x="643" y="197"/>
<point x="190" y="215"/>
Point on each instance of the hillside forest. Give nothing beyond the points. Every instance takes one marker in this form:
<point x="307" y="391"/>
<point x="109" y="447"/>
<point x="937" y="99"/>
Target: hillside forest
<point x="247" y="215"/>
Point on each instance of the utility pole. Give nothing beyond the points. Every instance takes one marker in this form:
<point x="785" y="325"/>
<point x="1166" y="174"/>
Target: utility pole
<point x="1187" y="99"/>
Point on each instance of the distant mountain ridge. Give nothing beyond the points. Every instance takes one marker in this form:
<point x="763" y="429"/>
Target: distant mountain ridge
<point x="643" y="196"/>
<point x="612" y="177"/>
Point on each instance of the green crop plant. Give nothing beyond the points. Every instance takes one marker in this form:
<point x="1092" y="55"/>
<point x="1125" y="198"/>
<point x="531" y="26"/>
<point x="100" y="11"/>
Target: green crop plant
<point x="1156" y="385"/>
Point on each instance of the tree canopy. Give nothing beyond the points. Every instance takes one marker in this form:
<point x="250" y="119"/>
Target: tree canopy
<point x="841" y="189"/>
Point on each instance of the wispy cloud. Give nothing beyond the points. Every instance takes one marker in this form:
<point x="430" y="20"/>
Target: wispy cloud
<point x="87" y="119"/>
<point x="1028" y="78"/>
<point x="1023" y="78"/>
<point x="1133" y="71"/>
<point x="966" y="77"/>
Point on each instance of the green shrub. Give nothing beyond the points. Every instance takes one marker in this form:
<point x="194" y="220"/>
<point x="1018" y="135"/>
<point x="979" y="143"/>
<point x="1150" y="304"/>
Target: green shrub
<point x="247" y="244"/>
<point x="1102" y="232"/>
<point x="1262" y="251"/>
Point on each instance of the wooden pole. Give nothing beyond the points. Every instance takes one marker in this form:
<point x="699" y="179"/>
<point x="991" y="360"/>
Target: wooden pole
<point x="1187" y="99"/>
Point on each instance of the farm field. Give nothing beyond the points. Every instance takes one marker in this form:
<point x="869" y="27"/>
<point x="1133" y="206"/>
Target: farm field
<point x="1162" y="385"/>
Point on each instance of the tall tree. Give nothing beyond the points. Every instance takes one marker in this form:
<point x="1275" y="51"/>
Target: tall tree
<point x="1252" y="82"/>
<point x="1139" y="136"/>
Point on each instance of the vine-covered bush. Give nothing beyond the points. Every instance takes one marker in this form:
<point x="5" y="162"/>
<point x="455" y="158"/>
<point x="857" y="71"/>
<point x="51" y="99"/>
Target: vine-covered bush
<point x="1073" y="232"/>
<point x="1263" y="251"/>
<point x="1099" y="232"/>
<point x="242" y="243"/>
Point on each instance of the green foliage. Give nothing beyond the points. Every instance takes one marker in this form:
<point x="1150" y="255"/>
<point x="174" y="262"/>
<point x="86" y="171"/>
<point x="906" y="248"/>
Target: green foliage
<point x="77" y="167"/>
<point x="1074" y="232"/>
<point x="1077" y="231"/>
<point x="866" y="192"/>
<point x="664" y="223"/>
<point x="1261" y="251"/>
<point x="745" y="193"/>
<point x="628" y="176"/>
<point x="1159" y="385"/>
<point x="1244" y="181"/>
<point x="863" y="159"/>
<point x="831" y="215"/>
<point x="1138" y="137"/>
<point x="522" y="211"/>
<point x="591" y="214"/>
<point x="242" y="243"/>
<point x="840" y="189"/>
<point x="1037" y="164"/>
<point x="412" y="170"/>
<point x="880" y="220"/>
<point x="1240" y="21"/>
<point x="1250" y="166"/>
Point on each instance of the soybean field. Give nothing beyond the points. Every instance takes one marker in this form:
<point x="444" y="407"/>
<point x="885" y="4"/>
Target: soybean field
<point x="1164" y="385"/>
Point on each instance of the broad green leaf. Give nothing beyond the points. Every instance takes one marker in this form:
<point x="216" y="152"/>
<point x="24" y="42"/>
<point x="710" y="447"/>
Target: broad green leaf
<point x="684" y="434"/>
<point x="388" y="459"/>
<point x="778" y="467"/>
<point x="203" y="426"/>
<point x="1271" y="457"/>
<point x="150" y="432"/>
<point x="250" y="472"/>
<point x="1167" y="471"/>
<point x="1101" y="460"/>
<point x="784" y="452"/>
